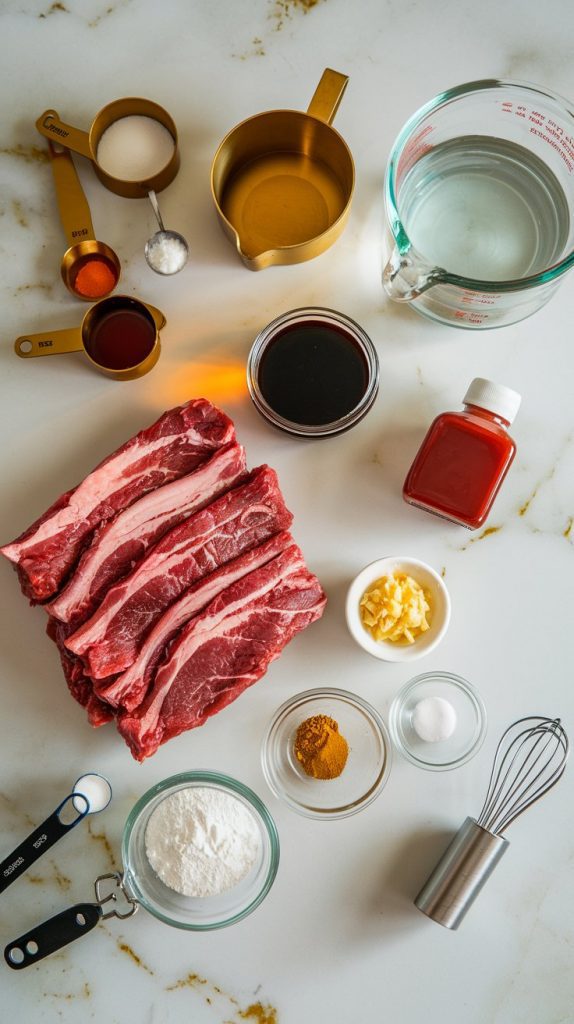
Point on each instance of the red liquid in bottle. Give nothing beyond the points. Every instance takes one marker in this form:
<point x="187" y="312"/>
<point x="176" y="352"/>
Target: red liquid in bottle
<point x="465" y="457"/>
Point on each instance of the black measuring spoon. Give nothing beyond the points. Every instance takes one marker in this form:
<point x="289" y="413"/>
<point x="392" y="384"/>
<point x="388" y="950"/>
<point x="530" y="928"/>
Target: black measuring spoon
<point x="91" y="794"/>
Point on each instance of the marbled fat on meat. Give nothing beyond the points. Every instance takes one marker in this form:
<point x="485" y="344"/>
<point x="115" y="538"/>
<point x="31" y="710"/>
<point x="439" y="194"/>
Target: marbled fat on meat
<point x="174" y="445"/>
<point x="110" y="641"/>
<point x="129" y="688"/>
<point x="123" y="542"/>
<point x="225" y="649"/>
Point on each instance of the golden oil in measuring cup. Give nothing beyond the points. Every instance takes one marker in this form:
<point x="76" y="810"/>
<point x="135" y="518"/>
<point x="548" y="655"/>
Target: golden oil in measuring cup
<point x="485" y="208"/>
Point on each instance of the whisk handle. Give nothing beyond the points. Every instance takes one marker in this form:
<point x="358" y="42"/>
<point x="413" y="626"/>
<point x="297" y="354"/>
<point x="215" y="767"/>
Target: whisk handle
<point x="460" y="874"/>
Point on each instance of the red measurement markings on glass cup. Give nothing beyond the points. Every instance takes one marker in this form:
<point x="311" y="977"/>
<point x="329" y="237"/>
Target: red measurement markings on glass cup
<point x="480" y="298"/>
<point x="413" y="151"/>
<point x="470" y="317"/>
<point x="553" y="134"/>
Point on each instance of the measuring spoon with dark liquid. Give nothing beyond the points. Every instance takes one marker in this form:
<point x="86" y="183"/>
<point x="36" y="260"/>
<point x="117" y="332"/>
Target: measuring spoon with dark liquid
<point x="119" y="335"/>
<point x="313" y="372"/>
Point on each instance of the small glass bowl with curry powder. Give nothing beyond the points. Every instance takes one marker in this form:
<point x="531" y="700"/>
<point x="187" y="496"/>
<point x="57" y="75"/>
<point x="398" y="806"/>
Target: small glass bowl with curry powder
<point x="326" y="753"/>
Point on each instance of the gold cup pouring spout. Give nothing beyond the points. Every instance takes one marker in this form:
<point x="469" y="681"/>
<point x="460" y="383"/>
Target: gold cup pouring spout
<point x="119" y="335"/>
<point x="282" y="181"/>
<point x="85" y="143"/>
<point x="77" y="223"/>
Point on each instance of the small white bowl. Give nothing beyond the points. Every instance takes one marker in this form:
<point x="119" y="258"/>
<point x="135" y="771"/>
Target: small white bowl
<point x="439" y="616"/>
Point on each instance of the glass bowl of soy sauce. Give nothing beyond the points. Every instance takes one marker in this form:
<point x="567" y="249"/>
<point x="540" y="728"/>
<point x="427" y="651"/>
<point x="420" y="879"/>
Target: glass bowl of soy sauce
<point x="313" y="372"/>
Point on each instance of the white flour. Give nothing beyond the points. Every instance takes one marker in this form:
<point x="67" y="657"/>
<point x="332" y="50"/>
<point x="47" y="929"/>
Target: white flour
<point x="202" y="841"/>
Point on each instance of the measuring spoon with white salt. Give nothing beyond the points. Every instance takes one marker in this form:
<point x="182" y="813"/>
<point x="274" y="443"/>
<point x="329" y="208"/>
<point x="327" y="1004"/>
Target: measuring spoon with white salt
<point x="166" y="252"/>
<point x="91" y="794"/>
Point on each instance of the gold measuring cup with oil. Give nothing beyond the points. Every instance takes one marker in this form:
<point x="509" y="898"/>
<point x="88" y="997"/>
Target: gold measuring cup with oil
<point x="282" y="181"/>
<point x="479" y="195"/>
<point x="90" y="269"/>
<point x="130" y="174"/>
<point x="119" y="335"/>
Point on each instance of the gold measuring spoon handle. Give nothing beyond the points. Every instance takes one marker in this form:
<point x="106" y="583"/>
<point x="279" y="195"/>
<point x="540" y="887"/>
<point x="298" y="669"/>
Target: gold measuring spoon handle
<point x="72" y="203"/>
<point x="51" y="127"/>
<point x="328" y="95"/>
<point x="53" y="343"/>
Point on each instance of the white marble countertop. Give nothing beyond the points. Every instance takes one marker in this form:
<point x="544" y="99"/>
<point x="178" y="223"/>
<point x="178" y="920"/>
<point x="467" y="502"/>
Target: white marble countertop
<point x="338" y="938"/>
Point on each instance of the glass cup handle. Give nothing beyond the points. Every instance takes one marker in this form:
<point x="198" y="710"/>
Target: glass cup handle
<point x="406" y="276"/>
<point x="28" y="346"/>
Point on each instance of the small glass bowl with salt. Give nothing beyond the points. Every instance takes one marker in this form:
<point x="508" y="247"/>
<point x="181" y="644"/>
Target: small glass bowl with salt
<point x="438" y="721"/>
<point x="146" y="838"/>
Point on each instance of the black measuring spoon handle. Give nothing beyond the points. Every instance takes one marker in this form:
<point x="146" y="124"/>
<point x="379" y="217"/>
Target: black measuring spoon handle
<point x="46" y="938"/>
<point x="40" y="840"/>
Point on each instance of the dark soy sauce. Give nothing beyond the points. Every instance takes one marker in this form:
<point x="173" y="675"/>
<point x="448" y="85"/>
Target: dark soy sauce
<point x="121" y="338"/>
<point x="313" y="373"/>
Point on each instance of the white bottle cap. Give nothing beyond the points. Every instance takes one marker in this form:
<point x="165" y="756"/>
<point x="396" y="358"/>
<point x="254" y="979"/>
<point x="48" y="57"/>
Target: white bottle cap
<point x="497" y="398"/>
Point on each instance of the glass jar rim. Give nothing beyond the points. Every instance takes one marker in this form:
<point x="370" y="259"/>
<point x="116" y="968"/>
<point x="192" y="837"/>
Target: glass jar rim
<point x="328" y="316"/>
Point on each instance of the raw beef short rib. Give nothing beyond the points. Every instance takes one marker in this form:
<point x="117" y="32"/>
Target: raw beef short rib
<point x="110" y="641"/>
<point x="129" y="689"/>
<point x="225" y="649"/>
<point x="174" y="445"/>
<point x="79" y="684"/>
<point x="123" y="542"/>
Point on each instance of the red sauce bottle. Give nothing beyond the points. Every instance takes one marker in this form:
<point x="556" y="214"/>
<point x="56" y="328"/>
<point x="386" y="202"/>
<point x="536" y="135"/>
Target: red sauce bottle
<point x="465" y="456"/>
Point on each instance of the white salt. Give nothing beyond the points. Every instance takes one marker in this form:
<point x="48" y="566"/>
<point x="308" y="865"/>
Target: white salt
<point x="166" y="255"/>
<point x="96" y="790"/>
<point x="134" y="148"/>
<point x="434" y="719"/>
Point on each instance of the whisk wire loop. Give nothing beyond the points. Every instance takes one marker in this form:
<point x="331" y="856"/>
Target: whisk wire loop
<point x="525" y="767"/>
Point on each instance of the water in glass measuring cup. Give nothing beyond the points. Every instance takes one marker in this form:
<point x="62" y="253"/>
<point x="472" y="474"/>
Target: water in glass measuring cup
<point x="485" y="208"/>
<point x="479" y="198"/>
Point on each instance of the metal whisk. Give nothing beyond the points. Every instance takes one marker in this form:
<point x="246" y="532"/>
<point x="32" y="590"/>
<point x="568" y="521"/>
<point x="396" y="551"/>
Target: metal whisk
<point x="530" y="759"/>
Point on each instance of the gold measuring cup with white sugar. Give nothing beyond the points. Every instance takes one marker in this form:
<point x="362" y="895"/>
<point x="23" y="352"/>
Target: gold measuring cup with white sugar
<point x="50" y="125"/>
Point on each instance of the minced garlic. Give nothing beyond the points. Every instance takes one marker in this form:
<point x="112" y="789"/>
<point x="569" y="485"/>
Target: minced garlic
<point x="395" y="608"/>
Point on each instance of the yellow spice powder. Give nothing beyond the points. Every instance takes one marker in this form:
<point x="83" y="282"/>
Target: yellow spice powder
<point x="319" y="747"/>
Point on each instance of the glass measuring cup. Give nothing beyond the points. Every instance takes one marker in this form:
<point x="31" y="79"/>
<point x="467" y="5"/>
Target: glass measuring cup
<point x="76" y="220"/>
<point x="481" y="179"/>
<point x="136" y="356"/>
<point x="86" y="144"/>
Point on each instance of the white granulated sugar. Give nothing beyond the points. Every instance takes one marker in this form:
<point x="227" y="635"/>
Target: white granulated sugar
<point x="202" y="841"/>
<point x="134" y="148"/>
<point x="166" y="255"/>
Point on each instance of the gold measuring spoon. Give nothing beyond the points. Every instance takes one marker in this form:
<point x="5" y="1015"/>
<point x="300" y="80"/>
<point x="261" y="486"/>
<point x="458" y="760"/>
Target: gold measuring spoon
<point x="119" y="336"/>
<point x="90" y="269"/>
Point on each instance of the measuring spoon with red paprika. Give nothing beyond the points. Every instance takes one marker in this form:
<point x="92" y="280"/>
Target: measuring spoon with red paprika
<point x="119" y="335"/>
<point x="90" y="269"/>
